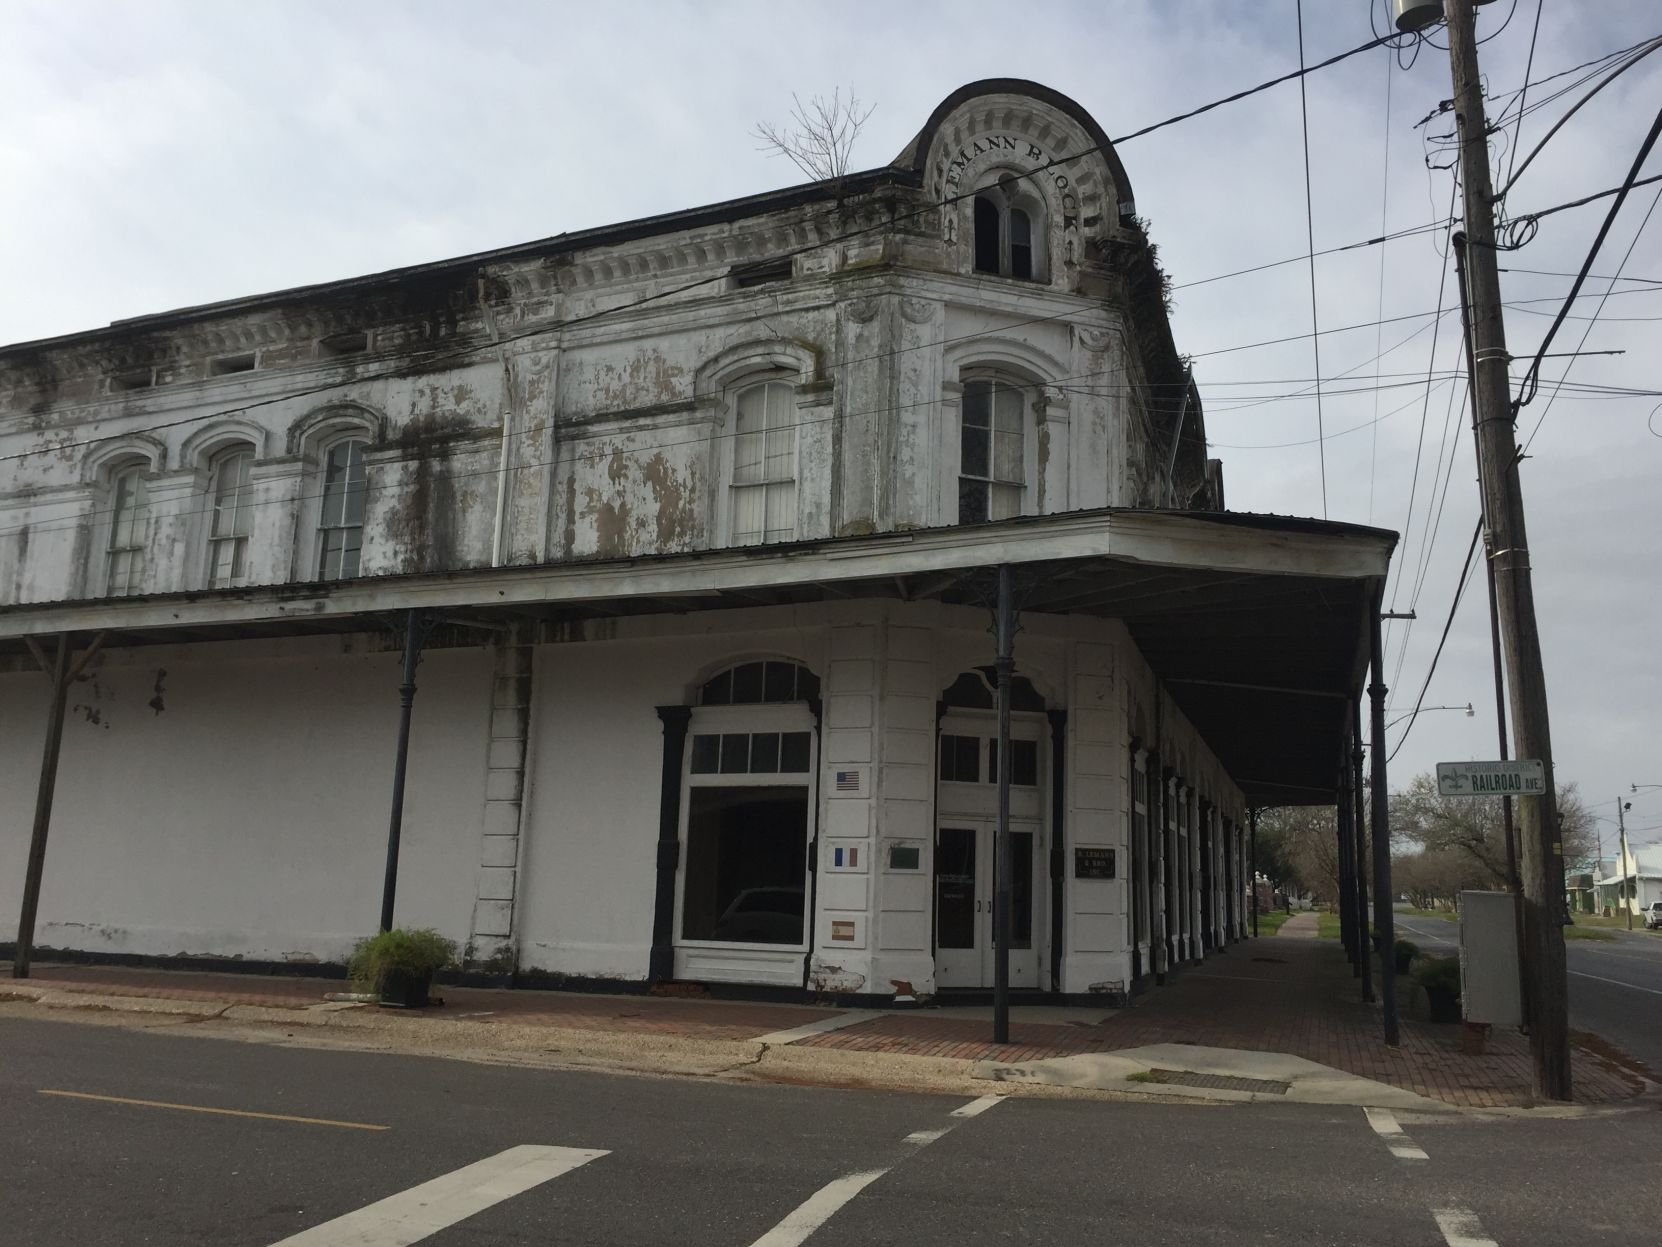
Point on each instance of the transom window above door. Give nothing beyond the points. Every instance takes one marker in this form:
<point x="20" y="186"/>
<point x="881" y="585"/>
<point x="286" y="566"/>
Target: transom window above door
<point x="771" y="681"/>
<point x="992" y="459"/>
<point x="974" y="760"/>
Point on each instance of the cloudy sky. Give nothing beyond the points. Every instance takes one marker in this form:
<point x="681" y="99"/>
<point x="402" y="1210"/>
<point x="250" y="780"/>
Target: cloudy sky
<point x="158" y="155"/>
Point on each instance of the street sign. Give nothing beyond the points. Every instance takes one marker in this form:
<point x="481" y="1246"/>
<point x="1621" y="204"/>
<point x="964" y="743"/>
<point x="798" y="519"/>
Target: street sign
<point x="1524" y="778"/>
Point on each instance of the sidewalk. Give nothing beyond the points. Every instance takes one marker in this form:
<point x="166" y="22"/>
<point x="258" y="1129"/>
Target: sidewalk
<point x="1287" y="994"/>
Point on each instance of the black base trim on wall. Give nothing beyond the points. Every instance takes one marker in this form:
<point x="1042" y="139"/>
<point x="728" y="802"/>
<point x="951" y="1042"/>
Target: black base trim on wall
<point x="541" y="980"/>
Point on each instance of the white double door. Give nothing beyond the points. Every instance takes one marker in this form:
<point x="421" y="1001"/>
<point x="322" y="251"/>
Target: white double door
<point x="966" y="887"/>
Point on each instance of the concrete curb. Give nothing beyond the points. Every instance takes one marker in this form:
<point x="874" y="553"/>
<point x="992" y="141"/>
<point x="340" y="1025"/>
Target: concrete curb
<point x="1101" y="1076"/>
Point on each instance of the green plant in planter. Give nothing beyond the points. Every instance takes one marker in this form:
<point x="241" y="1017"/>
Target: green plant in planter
<point x="399" y="965"/>
<point x="1406" y="951"/>
<point x="1440" y="976"/>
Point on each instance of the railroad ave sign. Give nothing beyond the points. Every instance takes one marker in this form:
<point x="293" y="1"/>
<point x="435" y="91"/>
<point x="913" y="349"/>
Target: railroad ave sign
<point x="1524" y="778"/>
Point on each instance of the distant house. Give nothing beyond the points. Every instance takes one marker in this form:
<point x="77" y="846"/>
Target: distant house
<point x="698" y="515"/>
<point x="1633" y="880"/>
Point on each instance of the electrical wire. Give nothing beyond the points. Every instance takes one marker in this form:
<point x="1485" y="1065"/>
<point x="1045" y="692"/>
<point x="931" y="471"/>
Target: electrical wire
<point x="1523" y="92"/>
<point x="1454" y="606"/>
<point x="1310" y="241"/>
<point x="1558" y="125"/>
<point x="1530" y="440"/>
<point x="1384" y="200"/>
<point x="1531" y="381"/>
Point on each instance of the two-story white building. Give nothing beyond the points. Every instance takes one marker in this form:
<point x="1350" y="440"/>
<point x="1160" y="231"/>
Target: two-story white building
<point x="702" y="511"/>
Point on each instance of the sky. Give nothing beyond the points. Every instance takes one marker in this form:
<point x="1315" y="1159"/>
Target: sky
<point x="160" y="155"/>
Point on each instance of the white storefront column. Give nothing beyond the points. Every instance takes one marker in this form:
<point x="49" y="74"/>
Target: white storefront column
<point x="491" y="946"/>
<point x="1096" y="956"/>
<point x="840" y="959"/>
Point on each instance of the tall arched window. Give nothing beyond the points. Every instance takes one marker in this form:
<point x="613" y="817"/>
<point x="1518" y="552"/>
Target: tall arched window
<point x="992" y="463"/>
<point x="129" y="530"/>
<point x="763" y="498"/>
<point x="340" y="536"/>
<point x="1008" y="229"/>
<point x="230" y="517"/>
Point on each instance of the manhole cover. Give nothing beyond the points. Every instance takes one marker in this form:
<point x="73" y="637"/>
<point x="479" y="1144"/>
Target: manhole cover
<point x="1220" y="1082"/>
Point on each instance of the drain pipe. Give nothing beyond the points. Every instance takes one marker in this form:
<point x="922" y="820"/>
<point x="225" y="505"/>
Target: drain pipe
<point x="499" y="529"/>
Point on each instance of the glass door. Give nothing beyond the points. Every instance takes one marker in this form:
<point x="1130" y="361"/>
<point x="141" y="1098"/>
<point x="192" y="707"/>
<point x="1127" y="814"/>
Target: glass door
<point x="965" y="888"/>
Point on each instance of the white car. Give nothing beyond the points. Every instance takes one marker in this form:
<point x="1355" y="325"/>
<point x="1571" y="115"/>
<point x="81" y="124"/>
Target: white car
<point x="1652" y="915"/>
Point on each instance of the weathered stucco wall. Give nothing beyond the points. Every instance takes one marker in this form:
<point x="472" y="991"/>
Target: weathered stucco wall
<point x="527" y="406"/>
<point x="231" y="800"/>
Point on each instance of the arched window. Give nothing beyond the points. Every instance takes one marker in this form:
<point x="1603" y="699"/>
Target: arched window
<point x="992" y="462"/>
<point x="1008" y="228"/>
<point x="760" y="683"/>
<point x="763" y="489"/>
<point x="340" y="536"/>
<point x="129" y="530"/>
<point x="230" y="517"/>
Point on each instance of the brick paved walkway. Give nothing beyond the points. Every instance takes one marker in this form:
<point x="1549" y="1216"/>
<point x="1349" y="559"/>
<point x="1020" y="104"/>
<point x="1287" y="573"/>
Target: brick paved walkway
<point x="700" y="1019"/>
<point x="1274" y="994"/>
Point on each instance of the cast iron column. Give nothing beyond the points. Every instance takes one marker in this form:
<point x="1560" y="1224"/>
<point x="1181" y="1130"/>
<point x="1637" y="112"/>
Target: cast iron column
<point x="416" y="624"/>
<point x="1383" y="916"/>
<point x="1361" y="849"/>
<point x="43" y="807"/>
<point x="1004" y="859"/>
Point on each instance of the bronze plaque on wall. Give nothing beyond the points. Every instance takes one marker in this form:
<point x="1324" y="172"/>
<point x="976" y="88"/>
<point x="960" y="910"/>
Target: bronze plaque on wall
<point x="1092" y="863"/>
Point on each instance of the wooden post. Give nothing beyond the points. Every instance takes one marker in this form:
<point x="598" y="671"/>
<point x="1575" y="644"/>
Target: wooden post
<point x="1508" y="553"/>
<point x="1253" y="815"/>
<point x="63" y="673"/>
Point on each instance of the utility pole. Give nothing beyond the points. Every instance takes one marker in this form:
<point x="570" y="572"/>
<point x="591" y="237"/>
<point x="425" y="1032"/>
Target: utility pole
<point x="1507" y="550"/>
<point x="1621" y="824"/>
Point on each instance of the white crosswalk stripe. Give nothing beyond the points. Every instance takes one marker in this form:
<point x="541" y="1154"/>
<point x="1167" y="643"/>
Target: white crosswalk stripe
<point x="424" y="1210"/>
<point x="1384" y="1123"/>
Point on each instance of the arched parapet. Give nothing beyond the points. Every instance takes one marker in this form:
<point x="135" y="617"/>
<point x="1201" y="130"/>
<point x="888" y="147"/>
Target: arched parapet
<point x="1023" y="144"/>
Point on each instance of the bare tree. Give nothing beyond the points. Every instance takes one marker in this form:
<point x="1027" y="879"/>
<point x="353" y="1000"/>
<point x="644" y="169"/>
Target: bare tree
<point x="820" y="136"/>
<point x="1471" y="827"/>
<point x="1303" y="843"/>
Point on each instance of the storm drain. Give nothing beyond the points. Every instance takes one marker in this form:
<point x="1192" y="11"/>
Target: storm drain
<point x="1218" y="1082"/>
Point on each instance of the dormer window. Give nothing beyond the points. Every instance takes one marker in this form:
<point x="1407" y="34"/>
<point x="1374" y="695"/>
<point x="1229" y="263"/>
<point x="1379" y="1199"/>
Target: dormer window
<point x="1008" y="229"/>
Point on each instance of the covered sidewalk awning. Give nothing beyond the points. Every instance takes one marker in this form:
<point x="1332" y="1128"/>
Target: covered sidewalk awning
<point x="1258" y="626"/>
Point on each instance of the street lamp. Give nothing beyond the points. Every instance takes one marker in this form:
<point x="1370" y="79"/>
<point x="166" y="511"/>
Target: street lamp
<point x="1427" y="709"/>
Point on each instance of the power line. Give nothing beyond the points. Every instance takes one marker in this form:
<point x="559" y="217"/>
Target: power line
<point x="1384" y="200"/>
<point x="1310" y="242"/>
<point x="1531" y="381"/>
<point x="1523" y="92"/>
<point x="1558" y="125"/>
<point x="1585" y="333"/>
<point x="1454" y="606"/>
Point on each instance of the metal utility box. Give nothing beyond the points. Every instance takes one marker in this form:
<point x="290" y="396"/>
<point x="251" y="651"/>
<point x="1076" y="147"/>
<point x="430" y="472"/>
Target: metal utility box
<point x="1489" y="959"/>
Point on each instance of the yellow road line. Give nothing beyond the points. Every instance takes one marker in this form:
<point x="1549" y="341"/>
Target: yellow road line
<point x="226" y="1112"/>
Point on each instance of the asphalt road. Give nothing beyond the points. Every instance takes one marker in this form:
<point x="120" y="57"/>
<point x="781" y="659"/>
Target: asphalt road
<point x="1615" y="986"/>
<point x="724" y="1164"/>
